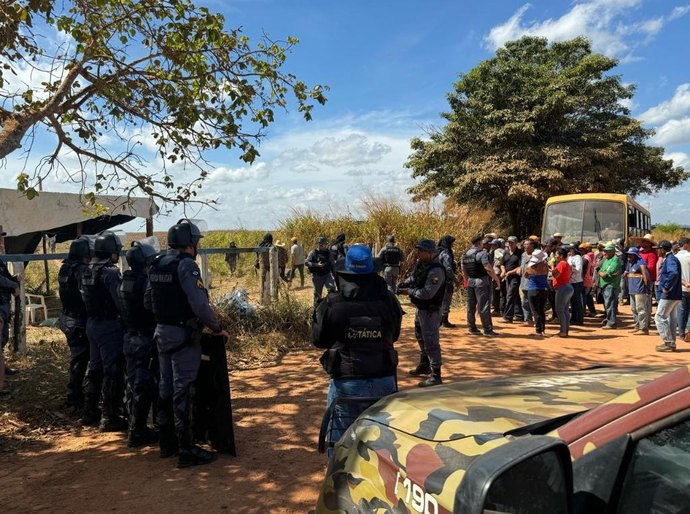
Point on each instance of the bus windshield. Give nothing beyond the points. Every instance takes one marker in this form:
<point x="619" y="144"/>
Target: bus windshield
<point x="586" y="220"/>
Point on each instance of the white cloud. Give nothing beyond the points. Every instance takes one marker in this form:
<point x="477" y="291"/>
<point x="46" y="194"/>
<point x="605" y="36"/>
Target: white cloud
<point x="679" y="159"/>
<point x="670" y="109"/>
<point x="673" y="132"/>
<point x="602" y="21"/>
<point x="303" y="194"/>
<point x="223" y="175"/>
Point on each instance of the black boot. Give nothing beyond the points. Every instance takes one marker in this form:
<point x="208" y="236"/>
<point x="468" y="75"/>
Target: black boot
<point x="445" y="322"/>
<point x="434" y="379"/>
<point x="139" y="434"/>
<point x="423" y="368"/>
<point x="112" y="421"/>
<point x="189" y="454"/>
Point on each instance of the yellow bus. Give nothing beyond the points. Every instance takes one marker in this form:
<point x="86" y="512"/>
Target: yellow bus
<point x="594" y="217"/>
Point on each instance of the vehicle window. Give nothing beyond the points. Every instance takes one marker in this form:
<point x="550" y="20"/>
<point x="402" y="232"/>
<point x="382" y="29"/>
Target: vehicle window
<point x="603" y="221"/>
<point x="565" y="218"/>
<point x="658" y="478"/>
<point x="534" y="486"/>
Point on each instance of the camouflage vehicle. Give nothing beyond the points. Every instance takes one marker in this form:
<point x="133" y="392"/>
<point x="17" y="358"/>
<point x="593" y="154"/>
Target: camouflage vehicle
<point x="618" y="441"/>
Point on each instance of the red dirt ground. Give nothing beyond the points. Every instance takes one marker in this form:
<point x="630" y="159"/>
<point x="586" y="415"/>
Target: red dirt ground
<point x="277" y="415"/>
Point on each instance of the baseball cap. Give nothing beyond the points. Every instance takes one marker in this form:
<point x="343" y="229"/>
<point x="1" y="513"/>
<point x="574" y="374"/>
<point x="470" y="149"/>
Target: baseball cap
<point x="533" y="238"/>
<point x="558" y="234"/>
<point x="537" y="257"/>
<point x="512" y="239"/>
<point x="426" y="245"/>
<point x="610" y="248"/>
<point x="358" y="260"/>
<point x="492" y="235"/>
<point x="666" y="245"/>
<point x="322" y="240"/>
<point x="585" y="245"/>
<point x="3" y="234"/>
<point x="633" y="251"/>
<point x="476" y="239"/>
<point x="494" y="242"/>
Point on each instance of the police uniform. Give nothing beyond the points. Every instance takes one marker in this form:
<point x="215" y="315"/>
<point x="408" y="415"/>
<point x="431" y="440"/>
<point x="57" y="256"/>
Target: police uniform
<point x="321" y="265"/>
<point x="391" y="256"/>
<point x="478" y="289"/>
<point x="426" y="290"/>
<point x="140" y="352"/>
<point x="100" y="292"/>
<point x="180" y="304"/>
<point x="357" y="326"/>
<point x="447" y="260"/>
<point x="8" y="284"/>
<point x="72" y="320"/>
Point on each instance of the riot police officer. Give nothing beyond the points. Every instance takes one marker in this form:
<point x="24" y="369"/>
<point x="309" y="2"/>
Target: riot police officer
<point x="447" y="259"/>
<point x="357" y="326"/>
<point x="391" y="256"/>
<point x="426" y="288"/>
<point x="180" y="304"/>
<point x="73" y="318"/>
<point x="141" y="357"/>
<point x="321" y="265"/>
<point x="9" y="286"/>
<point x="100" y="282"/>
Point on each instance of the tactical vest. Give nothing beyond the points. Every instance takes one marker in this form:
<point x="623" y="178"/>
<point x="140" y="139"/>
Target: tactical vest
<point x="473" y="266"/>
<point x="170" y="304"/>
<point x="420" y="275"/>
<point x="362" y="333"/>
<point x="392" y="256"/>
<point x="325" y="257"/>
<point x="97" y="299"/>
<point x="135" y="317"/>
<point x="70" y="295"/>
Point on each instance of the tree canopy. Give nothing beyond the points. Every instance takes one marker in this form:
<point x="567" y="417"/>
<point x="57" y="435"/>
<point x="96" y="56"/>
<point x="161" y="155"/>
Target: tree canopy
<point x="535" y="121"/>
<point x="166" y="68"/>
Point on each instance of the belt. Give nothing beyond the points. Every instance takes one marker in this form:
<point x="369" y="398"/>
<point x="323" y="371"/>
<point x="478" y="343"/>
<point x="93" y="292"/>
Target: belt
<point x="634" y="275"/>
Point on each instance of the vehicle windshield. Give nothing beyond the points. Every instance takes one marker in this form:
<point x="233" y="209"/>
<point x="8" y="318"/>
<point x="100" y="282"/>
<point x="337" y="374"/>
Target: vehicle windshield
<point x="586" y="220"/>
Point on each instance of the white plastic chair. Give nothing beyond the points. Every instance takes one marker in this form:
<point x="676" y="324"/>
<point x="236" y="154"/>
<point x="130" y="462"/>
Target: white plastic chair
<point x="35" y="302"/>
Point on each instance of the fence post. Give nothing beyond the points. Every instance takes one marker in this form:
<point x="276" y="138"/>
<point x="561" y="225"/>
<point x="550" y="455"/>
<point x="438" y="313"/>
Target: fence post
<point x="205" y="272"/>
<point x="274" y="275"/>
<point x="19" y="321"/>
<point x="264" y="296"/>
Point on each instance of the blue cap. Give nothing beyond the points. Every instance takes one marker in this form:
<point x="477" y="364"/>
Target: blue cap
<point x="426" y="245"/>
<point x="358" y="260"/>
<point x="633" y="251"/>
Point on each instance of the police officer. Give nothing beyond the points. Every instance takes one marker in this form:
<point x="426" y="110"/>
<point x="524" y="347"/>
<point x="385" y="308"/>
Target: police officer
<point x="426" y="288"/>
<point x="447" y="260"/>
<point x="391" y="256"/>
<point x="141" y="357"/>
<point x="180" y="304"/>
<point x="357" y="326"/>
<point x="100" y="282"/>
<point x="338" y="248"/>
<point x="477" y="270"/>
<point x="8" y="287"/>
<point x="73" y="318"/>
<point x="321" y="265"/>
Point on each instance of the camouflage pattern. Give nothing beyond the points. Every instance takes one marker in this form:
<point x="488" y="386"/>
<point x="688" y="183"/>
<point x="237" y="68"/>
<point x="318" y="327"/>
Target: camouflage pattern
<point x="431" y="436"/>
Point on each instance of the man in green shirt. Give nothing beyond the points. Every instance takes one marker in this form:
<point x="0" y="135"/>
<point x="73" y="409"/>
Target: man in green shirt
<point x="610" y="284"/>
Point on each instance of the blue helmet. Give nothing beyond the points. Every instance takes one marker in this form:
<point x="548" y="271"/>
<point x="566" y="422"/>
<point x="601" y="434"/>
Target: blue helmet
<point x="358" y="260"/>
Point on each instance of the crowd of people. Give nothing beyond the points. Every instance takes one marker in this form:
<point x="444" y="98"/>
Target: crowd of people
<point x="520" y="281"/>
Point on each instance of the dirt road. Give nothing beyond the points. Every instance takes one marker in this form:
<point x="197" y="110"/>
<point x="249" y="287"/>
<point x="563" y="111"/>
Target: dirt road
<point x="277" y="415"/>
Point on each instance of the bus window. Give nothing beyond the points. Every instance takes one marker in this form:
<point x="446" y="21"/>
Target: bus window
<point x="603" y="221"/>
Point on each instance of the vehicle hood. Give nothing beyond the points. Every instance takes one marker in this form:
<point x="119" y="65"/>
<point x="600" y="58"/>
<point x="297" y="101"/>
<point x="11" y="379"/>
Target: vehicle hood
<point x="503" y="404"/>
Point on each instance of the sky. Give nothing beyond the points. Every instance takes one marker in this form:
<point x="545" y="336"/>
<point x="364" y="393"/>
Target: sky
<point x="389" y="65"/>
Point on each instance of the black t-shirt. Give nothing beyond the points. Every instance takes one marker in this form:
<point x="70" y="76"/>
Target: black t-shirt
<point x="511" y="262"/>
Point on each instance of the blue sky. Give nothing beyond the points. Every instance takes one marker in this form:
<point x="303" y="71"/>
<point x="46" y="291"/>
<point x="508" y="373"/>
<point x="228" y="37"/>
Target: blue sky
<point x="389" y="65"/>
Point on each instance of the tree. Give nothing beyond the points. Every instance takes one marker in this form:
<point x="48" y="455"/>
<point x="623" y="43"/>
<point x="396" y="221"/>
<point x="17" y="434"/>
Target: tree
<point x="163" y="67"/>
<point x="535" y="121"/>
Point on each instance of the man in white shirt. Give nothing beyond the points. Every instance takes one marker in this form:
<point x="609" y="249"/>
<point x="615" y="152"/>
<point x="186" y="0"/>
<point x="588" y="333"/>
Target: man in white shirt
<point x="577" y="308"/>
<point x="684" y="310"/>
<point x="297" y="261"/>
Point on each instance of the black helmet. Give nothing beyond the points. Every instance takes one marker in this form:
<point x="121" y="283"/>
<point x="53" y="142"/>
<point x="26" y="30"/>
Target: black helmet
<point x="184" y="233"/>
<point x="391" y="239"/>
<point x="107" y="243"/>
<point x="323" y="240"/>
<point x="79" y="249"/>
<point x="139" y="255"/>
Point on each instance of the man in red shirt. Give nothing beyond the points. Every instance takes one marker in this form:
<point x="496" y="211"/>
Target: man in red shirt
<point x="649" y="254"/>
